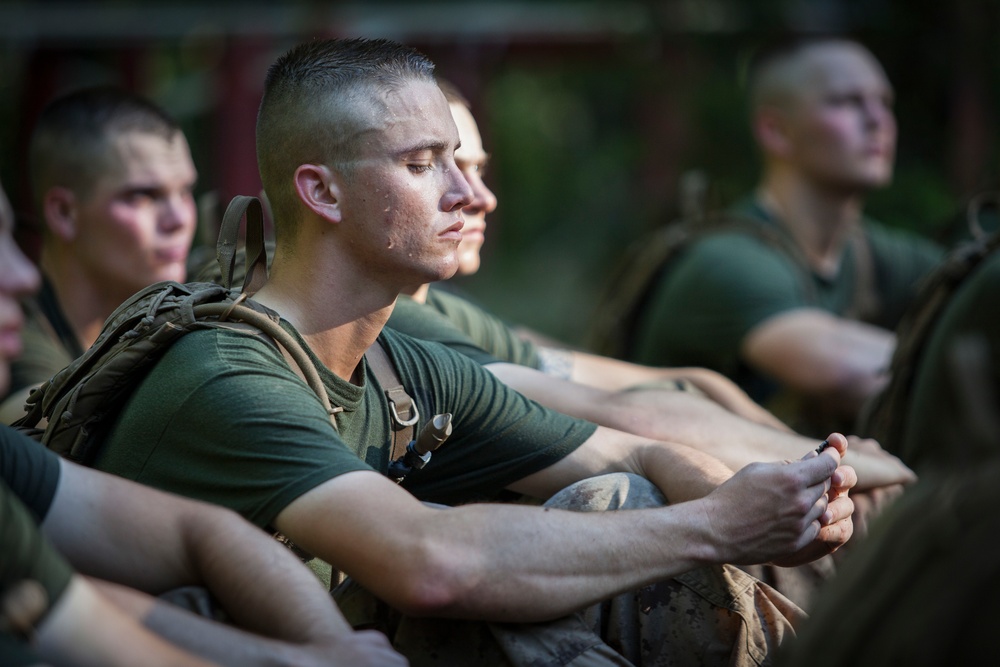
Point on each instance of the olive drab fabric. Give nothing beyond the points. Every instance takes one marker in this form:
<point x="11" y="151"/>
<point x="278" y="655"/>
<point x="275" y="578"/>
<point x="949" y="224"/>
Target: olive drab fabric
<point x="884" y="418"/>
<point x="71" y="412"/>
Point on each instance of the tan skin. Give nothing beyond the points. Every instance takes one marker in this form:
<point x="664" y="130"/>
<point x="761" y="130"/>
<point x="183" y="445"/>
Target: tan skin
<point x="501" y="562"/>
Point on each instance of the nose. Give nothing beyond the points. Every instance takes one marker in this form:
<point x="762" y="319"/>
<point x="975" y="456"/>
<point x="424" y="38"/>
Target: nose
<point x="877" y="112"/>
<point x="18" y="276"/>
<point x="460" y="193"/>
<point x="483" y="198"/>
<point x="177" y="213"/>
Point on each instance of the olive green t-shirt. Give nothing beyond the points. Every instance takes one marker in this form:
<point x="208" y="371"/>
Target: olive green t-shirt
<point x="725" y="284"/>
<point x="423" y="321"/>
<point x="487" y="331"/>
<point x="223" y="418"/>
<point x="945" y="404"/>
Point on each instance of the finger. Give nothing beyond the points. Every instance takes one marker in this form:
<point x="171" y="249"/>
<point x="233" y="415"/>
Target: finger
<point x="843" y="479"/>
<point x="838" y="442"/>
<point x="838" y="509"/>
<point x="837" y="533"/>
<point x="819" y="503"/>
<point x="816" y="468"/>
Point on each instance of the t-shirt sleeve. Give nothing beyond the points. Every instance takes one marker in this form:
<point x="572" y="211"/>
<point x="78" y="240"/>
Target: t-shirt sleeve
<point x="499" y="435"/>
<point x="707" y="301"/>
<point x="222" y="418"/>
<point x="486" y="330"/>
<point x="30" y="471"/>
<point x="426" y="323"/>
<point x="26" y="554"/>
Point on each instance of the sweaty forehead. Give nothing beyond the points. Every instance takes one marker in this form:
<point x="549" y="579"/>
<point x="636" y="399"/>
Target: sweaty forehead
<point x="468" y="133"/>
<point x="414" y="114"/>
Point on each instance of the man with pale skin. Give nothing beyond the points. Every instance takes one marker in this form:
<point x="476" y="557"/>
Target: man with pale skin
<point x="112" y="179"/>
<point x="60" y="521"/>
<point x="356" y="146"/>
<point x="818" y="329"/>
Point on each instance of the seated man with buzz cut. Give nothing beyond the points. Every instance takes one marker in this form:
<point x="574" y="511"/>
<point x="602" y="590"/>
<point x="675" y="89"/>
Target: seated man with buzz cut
<point x="803" y="322"/>
<point x="356" y="146"/>
<point x="111" y="178"/>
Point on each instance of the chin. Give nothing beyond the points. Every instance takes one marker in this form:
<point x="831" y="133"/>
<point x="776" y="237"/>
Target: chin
<point x="468" y="262"/>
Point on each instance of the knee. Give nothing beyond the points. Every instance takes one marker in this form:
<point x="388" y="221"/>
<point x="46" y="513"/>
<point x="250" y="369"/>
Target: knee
<point x="614" y="491"/>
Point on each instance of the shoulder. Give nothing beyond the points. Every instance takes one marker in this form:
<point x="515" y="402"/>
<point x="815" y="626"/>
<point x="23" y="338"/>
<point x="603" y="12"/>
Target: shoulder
<point x="886" y="239"/>
<point x="29" y="469"/>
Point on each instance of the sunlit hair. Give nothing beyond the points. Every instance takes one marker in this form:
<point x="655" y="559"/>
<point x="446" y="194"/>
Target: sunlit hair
<point x="71" y="141"/>
<point x="318" y="98"/>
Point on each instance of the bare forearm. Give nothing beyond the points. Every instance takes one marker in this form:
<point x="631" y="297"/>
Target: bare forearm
<point x="737" y="442"/>
<point x="261" y="584"/>
<point x="88" y="629"/>
<point x="574" y="559"/>
<point x="822" y="356"/>
<point x="211" y="640"/>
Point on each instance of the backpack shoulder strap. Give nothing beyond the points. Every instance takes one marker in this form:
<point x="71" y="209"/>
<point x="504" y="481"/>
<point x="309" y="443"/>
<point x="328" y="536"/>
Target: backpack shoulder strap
<point x="255" y="274"/>
<point x="402" y="407"/>
<point x="624" y="296"/>
<point x="884" y="416"/>
<point x="865" y="302"/>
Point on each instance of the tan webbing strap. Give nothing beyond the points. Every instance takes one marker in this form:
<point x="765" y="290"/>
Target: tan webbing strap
<point x="866" y="303"/>
<point x="402" y="408"/>
<point x="256" y="255"/>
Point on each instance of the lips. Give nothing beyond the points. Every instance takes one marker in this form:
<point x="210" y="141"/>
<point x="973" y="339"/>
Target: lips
<point x="454" y="231"/>
<point x="11" y="343"/>
<point x="474" y="231"/>
<point x="171" y="255"/>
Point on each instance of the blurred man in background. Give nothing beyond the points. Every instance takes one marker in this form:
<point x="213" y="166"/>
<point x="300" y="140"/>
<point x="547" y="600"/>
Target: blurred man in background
<point x="804" y="324"/>
<point x="112" y="178"/>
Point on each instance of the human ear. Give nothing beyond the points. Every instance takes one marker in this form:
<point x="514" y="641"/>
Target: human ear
<point x="59" y="208"/>
<point x="771" y="131"/>
<point x="318" y="190"/>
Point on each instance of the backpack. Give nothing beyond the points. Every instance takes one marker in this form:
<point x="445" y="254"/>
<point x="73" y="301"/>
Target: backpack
<point x="72" y="412"/>
<point x="621" y="303"/>
<point x="884" y="416"/>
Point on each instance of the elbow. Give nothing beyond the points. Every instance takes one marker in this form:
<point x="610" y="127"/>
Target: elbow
<point x="435" y="583"/>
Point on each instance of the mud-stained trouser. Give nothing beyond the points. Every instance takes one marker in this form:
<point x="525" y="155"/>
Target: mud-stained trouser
<point x="710" y="616"/>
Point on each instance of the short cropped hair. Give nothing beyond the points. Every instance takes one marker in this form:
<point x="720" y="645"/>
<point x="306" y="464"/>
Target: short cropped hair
<point x="770" y="66"/>
<point x="317" y="98"/>
<point x="70" y="143"/>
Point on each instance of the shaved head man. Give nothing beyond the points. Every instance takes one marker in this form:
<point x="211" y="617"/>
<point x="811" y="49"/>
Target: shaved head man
<point x="805" y="326"/>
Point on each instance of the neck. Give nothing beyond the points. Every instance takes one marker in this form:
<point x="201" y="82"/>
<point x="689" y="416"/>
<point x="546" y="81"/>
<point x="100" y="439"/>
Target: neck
<point x="337" y="307"/>
<point x="85" y="304"/>
<point x="818" y="218"/>
<point x="418" y="294"/>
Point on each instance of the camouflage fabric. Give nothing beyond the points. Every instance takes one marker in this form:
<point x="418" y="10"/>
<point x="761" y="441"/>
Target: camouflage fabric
<point x="710" y="616"/>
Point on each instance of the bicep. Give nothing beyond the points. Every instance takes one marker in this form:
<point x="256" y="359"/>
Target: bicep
<point x="815" y="351"/>
<point x="359" y="522"/>
<point x="611" y="374"/>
